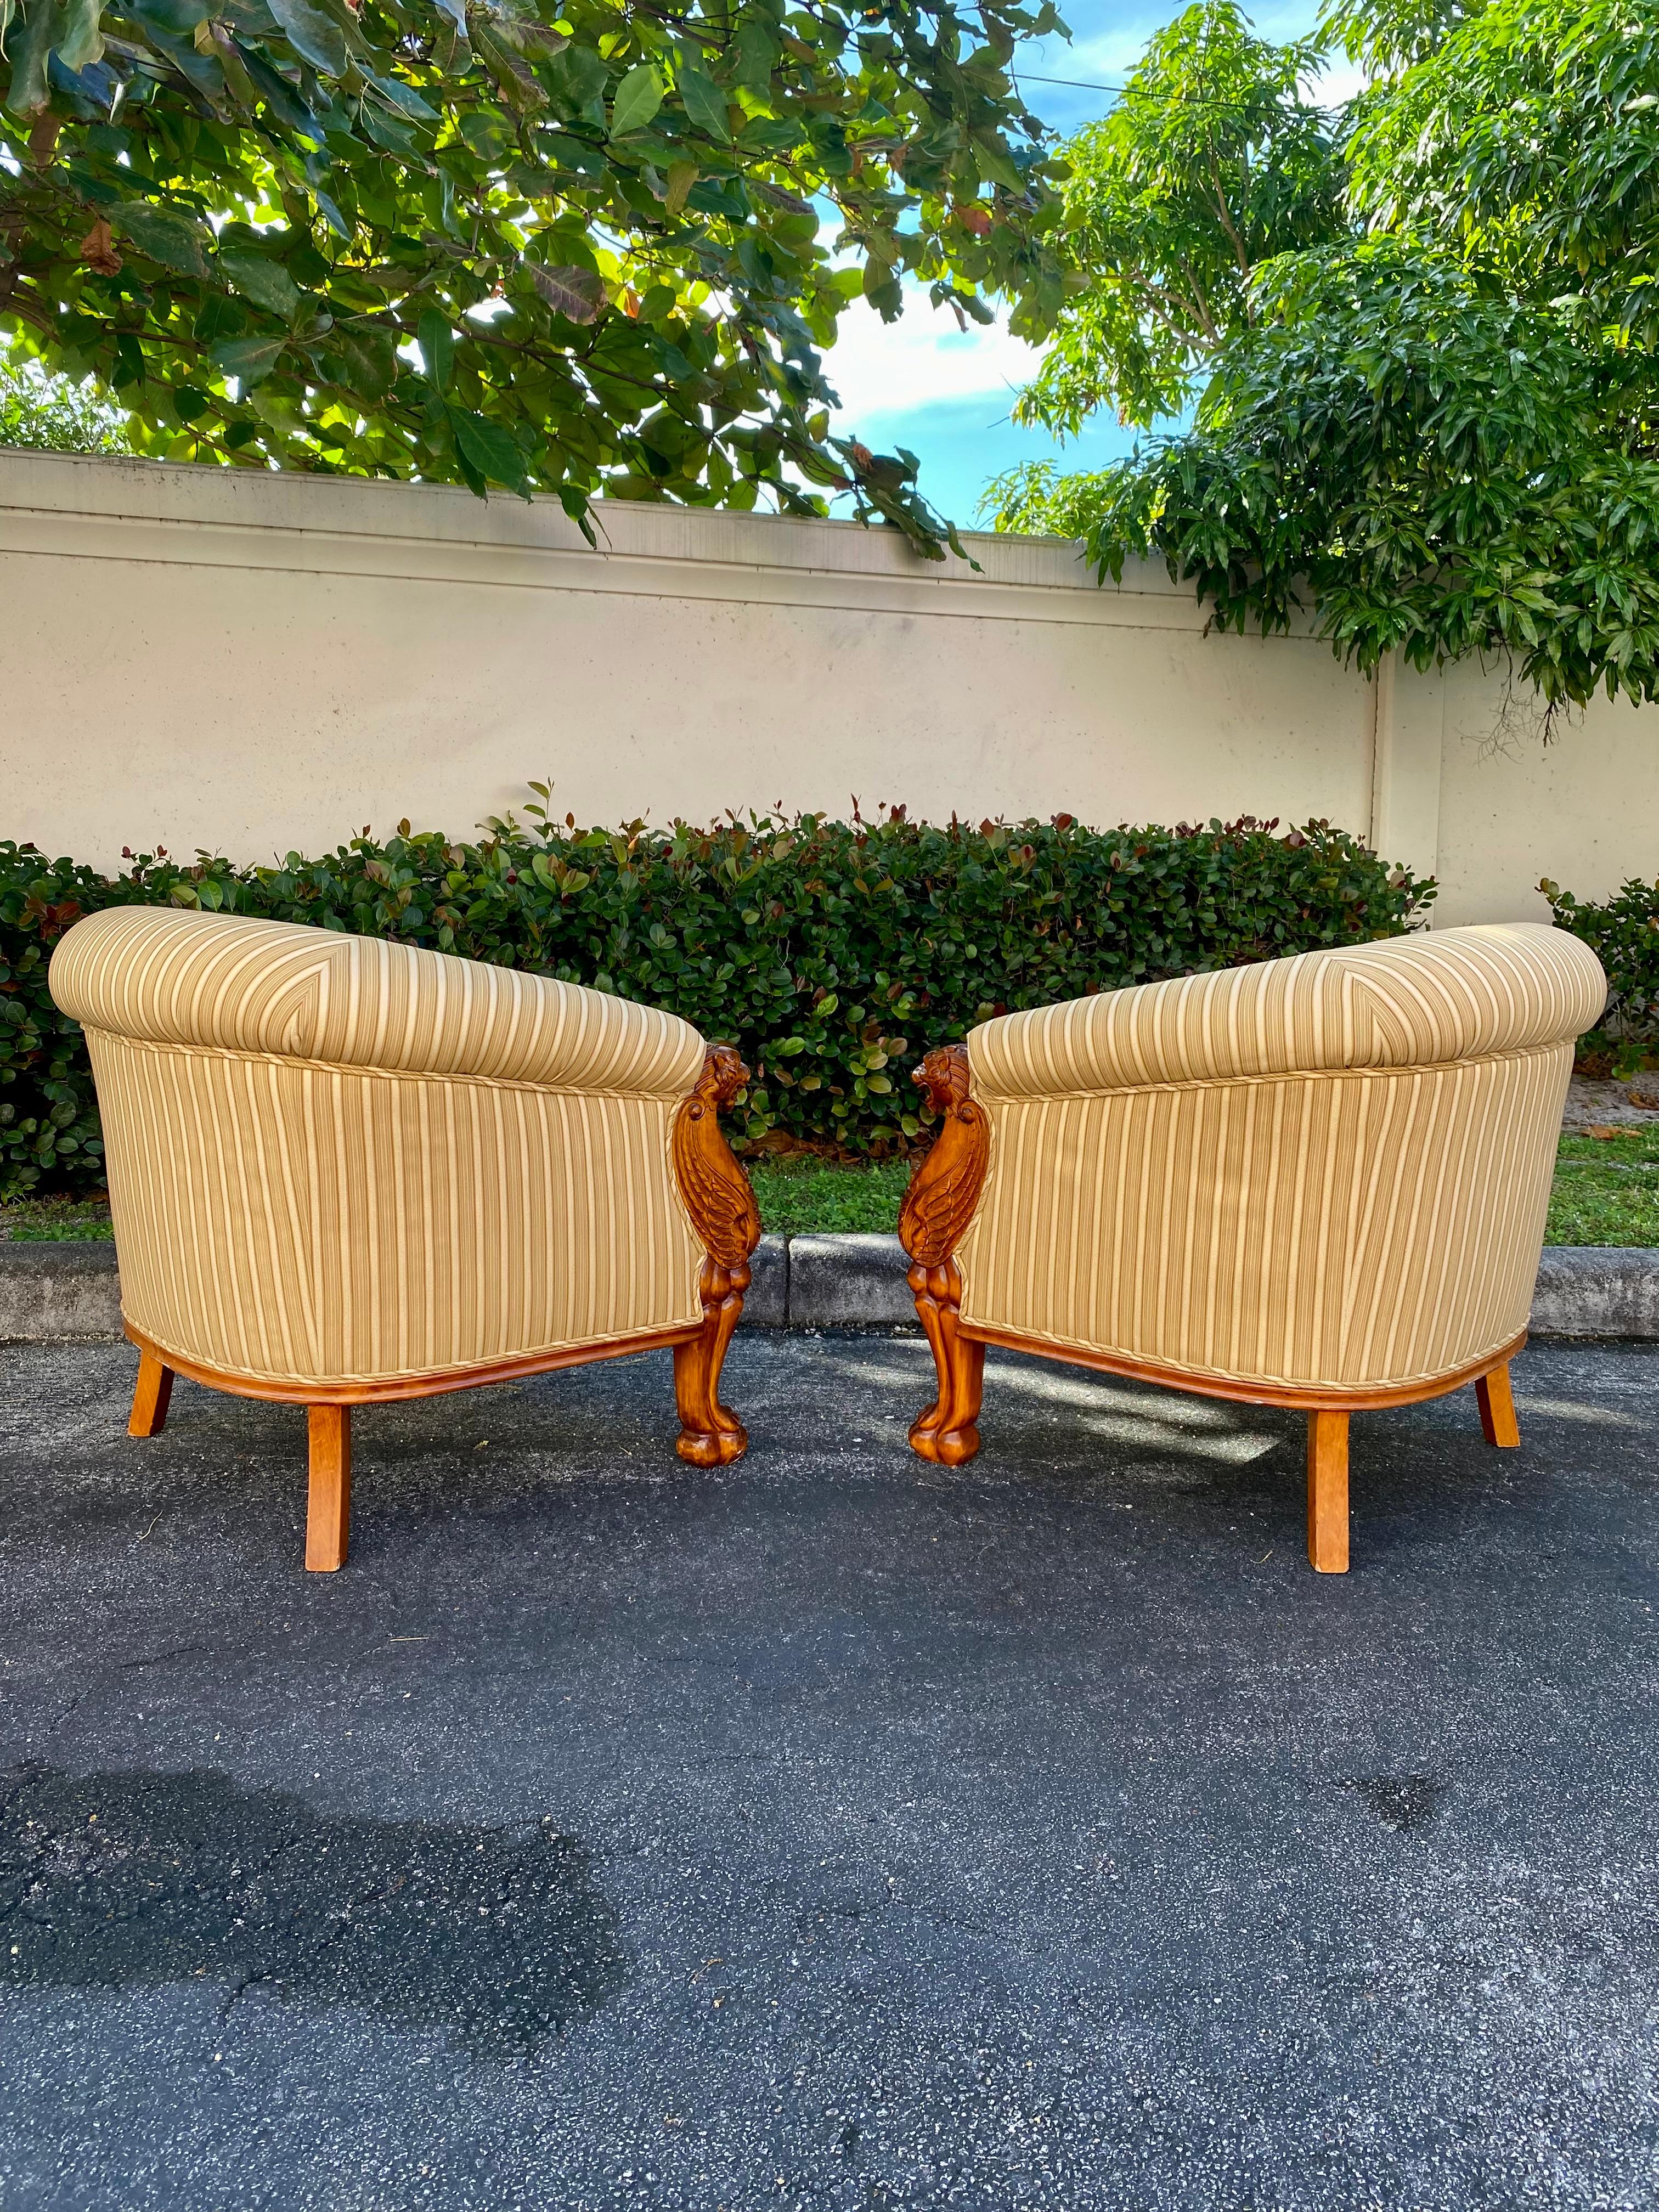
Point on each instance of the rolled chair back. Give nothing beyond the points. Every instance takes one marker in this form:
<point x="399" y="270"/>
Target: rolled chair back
<point x="1329" y="1169"/>
<point x="335" y="1158"/>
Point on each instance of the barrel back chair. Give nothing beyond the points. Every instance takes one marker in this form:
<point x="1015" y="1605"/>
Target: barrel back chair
<point x="1319" y="1182"/>
<point x="344" y="1171"/>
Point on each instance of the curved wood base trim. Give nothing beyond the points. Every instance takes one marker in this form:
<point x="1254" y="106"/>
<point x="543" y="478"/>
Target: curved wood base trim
<point x="1336" y="1397"/>
<point x="423" y="1386"/>
<point x="959" y="1352"/>
<point x="328" y="1518"/>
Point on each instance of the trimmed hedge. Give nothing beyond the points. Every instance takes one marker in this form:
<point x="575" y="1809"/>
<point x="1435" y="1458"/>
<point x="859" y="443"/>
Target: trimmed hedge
<point x="830" y="953"/>
<point x="1623" y="933"/>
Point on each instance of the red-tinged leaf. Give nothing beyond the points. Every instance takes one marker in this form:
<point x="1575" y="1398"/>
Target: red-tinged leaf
<point x="578" y="295"/>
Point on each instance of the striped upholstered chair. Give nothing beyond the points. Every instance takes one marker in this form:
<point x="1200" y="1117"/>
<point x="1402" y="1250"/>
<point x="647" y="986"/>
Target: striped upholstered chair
<point x="343" y="1171"/>
<point x="1319" y="1182"/>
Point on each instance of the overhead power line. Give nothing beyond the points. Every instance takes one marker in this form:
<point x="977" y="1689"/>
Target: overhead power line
<point x="1074" y="84"/>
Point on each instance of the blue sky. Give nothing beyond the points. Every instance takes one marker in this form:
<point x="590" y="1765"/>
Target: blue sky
<point x="946" y="394"/>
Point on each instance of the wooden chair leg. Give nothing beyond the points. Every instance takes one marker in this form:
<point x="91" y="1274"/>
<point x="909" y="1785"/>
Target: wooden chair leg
<point x="711" y="1435"/>
<point x="150" y="1397"/>
<point x="1496" y="1402"/>
<point x="947" y="1431"/>
<point x="328" y="1521"/>
<point x="1328" y="1492"/>
<point x="938" y="1207"/>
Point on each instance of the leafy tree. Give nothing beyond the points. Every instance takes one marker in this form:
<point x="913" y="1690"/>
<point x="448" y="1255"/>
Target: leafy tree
<point x="1211" y="162"/>
<point x="1387" y="35"/>
<point x="1529" y="140"/>
<point x="1439" y="428"/>
<point x="54" y="415"/>
<point x="577" y="247"/>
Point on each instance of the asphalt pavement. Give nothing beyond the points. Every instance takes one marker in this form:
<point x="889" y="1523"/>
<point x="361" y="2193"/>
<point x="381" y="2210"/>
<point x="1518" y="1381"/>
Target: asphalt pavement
<point x="830" y="1830"/>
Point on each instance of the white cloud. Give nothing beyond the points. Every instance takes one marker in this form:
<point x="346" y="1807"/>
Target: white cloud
<point x="892" y="368"/>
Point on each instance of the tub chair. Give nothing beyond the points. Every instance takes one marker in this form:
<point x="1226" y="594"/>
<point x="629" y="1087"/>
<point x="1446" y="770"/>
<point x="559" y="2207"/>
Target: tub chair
<point x="1317" y="1181"/>
<point x="344" y="1171"/>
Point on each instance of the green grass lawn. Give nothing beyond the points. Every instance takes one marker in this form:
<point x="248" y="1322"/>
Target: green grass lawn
<point x="801" y="1196"/>
<point x="1607" y="1192"/>
<point x="49" y="1220"/>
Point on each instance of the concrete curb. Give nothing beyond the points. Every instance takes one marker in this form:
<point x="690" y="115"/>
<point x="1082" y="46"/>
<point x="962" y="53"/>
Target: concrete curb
<point x="54" y="1293"/>
<point x="1597" y="1290"/>
<point x="67" y="1292"/>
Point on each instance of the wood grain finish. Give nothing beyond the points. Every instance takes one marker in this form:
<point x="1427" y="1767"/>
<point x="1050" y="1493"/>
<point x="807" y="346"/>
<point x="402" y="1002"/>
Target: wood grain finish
<point x="328" y="1519"/>
<point x="151" y="1396"/>
<point x="329" y="1515"/>
<point x="1350" y="1398"/>
<point x="946" y="1187"/>
<point x="938" y="1206"/>
<point x="1328" y="1492"/>
<point x="1329" y="1412"/>
<point x="723" y="1212"/>
<point x="336" y="1393"/>
<point x="1496" y="1401"/>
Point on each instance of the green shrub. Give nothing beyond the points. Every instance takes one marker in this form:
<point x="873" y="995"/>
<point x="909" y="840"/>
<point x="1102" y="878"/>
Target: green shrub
<point x="831" y="953"/>
<point x="1624" y="935"/>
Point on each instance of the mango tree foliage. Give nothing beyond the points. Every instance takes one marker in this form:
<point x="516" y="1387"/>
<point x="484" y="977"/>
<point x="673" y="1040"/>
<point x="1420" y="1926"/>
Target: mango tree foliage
<point x="578" y="247"/>
<point x="1385" y="36"/>
<point x="1210" y="161"/>
<point x="1529" y="138"/>
<point x="1439" y="469"/>
<point x="1439" y="430"/>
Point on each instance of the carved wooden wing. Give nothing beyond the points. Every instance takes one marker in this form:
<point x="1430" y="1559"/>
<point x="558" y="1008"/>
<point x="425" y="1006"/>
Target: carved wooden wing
<point x="945" y="1189"/>
<point x="713" y="1186"/>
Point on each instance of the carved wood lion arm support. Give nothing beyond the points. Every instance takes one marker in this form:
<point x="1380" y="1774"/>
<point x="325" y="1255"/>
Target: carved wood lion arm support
<point x="938" y="1207"/>
<point x="723" y="1212"/>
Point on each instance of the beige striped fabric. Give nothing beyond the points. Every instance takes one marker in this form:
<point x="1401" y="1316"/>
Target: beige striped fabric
<point x="1326" y="1171"/>
<point x="337" y="1160"/>
<point x="1401" y="1003"/>
<point x="175" y="977"/>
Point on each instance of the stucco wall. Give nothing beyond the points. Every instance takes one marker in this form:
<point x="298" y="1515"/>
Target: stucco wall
<point x="251" y="663"/>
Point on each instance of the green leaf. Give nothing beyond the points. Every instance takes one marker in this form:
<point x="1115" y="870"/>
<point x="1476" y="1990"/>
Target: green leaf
<point x="175" y="241"/>
<point x="702" y="99"/>
<point x="266" y="283"/>
<point x="250" y="361"/>
<point x="578" y="77"/>
<point x="756" y="56"/>
<point x="437" y="344"/>
<point x="332" y="216"/>
<point x="81" y="42"/>
<point x="637" y="99"/>
<point x="995" y="162"/>
<point x="30" y="51"/>
<point x="368" y="357"/>
<point x="315" y="37"/>
<point x="488" y="447"/>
